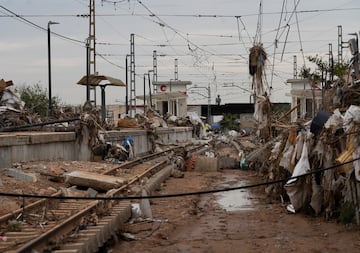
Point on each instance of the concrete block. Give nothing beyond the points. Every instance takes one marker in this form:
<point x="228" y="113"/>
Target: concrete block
<point x="20" y="175"/>
<point x="206" y="164"/>
<point x="226" y="162"/>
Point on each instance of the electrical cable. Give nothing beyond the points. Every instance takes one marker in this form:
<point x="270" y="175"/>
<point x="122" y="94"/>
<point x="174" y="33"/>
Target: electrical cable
<point x="24" y="20"/>
<point x="191" y="15"/>
<point x="184" y="194"/>
<point x="298" y="29"/>
<point x="240" y="38"/>
<point x="276" y="43"/>
<point x="286" y="37"/>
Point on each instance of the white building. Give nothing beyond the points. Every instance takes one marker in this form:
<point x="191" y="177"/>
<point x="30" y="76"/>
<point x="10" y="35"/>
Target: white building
<point x="171" y="97"/>
<point x="306" y="98"/>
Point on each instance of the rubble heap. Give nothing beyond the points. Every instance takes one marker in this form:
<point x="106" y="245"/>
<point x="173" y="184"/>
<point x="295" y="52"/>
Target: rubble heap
<point x="328" y="144"/>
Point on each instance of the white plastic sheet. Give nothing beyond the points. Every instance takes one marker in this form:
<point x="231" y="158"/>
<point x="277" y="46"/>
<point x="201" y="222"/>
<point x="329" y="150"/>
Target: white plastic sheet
<point x="351" y="115"/>
<point x="302" y="166"/>
<point x="11" y="101"/>
<point x="335" y="120"/>
<point x="296" y="189"/>
<point x="356" y="155"/>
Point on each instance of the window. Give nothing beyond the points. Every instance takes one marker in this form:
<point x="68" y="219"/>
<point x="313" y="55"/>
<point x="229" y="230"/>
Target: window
<point x="309" y="108"/>
<point x="298" y="110"/>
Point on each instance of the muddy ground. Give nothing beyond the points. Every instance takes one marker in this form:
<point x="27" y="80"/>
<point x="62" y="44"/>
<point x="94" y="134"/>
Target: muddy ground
<point x="202" y="224"/>
<point x="250" y="222"/>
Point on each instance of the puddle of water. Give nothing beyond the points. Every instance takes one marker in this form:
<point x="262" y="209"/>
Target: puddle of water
<point x="237" y="200"/>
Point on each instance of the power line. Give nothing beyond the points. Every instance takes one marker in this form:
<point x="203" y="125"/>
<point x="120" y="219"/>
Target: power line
<point x="188" y="15"/>
<point x="276" y="43"/>
<point x="28" y="22"/>
<point x="298" y="29"/>
<point x="240" y="37"/>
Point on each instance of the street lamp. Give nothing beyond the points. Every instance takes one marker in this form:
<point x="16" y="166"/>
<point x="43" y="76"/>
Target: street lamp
<point x="149" y="82"/>
<point x="127" y="85"/>
<point x="49" y="65"/>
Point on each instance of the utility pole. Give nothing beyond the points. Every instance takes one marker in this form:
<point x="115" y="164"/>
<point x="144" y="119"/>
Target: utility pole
<point x="176" y="69"/>
<point x="209" y="105"/>
<point x="340" y="45"/>
<point x="127" y="86"/>
<point x="295" y="67"/>
<point x="144" y="92"/>
<point x="87" y="70"/>
<point x="92" y="52"/>
<point x="132" y="76"/>
<point x="331" y="62"/>
<point x="155" y="70"/>
<point x="49" y="112"/>
<point x="150" y="96"/>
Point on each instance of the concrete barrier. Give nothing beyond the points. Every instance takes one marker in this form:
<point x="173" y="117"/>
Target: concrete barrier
<point x="36" y="146"/>
<point x="142" y="142"/>
<point x="40" y="146"/>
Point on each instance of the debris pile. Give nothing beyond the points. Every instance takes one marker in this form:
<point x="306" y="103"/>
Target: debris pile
<point x="12" y="110"/>
<point x="150" y="120"/>
<point x="329" y="144"/>
<point x="262" y="110"/>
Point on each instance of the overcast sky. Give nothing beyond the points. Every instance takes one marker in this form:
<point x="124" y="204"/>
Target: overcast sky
<point x="210" y="39"/>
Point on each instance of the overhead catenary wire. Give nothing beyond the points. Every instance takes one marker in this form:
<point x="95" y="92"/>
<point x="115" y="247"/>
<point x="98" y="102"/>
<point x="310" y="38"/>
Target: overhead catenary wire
<point x="238" y="19"/>
<point x="276" y="43"/>
<point x="298" y="29"/>
<point x="188" y="15"/>
<point x="201" y="58"/>
<point x="286" y="37"/>
<point x="28" y="22"/>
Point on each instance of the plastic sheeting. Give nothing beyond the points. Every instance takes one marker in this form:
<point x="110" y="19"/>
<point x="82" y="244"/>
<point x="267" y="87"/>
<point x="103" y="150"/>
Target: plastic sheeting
<point x="296" y="188"/>
<point x="10" y="101"/>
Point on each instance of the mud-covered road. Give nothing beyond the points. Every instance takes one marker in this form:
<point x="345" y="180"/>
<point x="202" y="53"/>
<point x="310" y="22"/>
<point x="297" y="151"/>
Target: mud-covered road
<point x="250" y="223"/>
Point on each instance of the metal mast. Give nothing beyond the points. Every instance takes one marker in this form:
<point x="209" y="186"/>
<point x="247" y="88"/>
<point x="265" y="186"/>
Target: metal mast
<point x="92" y="53"/>
<point x="155" y="70"/>
<point x="331" y="63"/>
<point x="295" y="67"/>
<point x="132" y="76"/>
<point x="340" y="42"/>
<point x="176" y="70"/>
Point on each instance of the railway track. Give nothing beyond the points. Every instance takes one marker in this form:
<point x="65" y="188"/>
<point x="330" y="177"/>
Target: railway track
<point x="63" y="225"/>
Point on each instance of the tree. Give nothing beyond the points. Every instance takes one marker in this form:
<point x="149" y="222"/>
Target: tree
<point x="323" y="68"/>
<point x="230" y="122"/>
<point x="36" y="98"/>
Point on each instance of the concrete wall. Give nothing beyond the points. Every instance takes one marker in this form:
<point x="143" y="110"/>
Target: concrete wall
<point x="39" y="146"/>
<point x="142" y="144"/>
<point x="35" y="146"/>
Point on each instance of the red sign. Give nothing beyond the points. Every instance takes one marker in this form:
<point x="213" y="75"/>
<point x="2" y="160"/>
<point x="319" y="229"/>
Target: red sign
<point x="163" y="87"/>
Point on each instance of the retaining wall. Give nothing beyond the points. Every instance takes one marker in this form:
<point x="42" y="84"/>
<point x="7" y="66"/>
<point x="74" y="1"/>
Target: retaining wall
<point x="39" y="146"/>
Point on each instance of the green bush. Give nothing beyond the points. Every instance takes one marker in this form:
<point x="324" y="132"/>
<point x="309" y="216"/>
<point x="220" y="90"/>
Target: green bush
<point x="347" y="213"/>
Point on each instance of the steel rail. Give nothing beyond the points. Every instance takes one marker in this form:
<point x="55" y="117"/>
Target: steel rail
<point x="58" y="232"/>
<point x="29" y="207"/>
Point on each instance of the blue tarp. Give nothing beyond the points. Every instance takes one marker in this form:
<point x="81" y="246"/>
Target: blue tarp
<point x="215" y="126"/>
